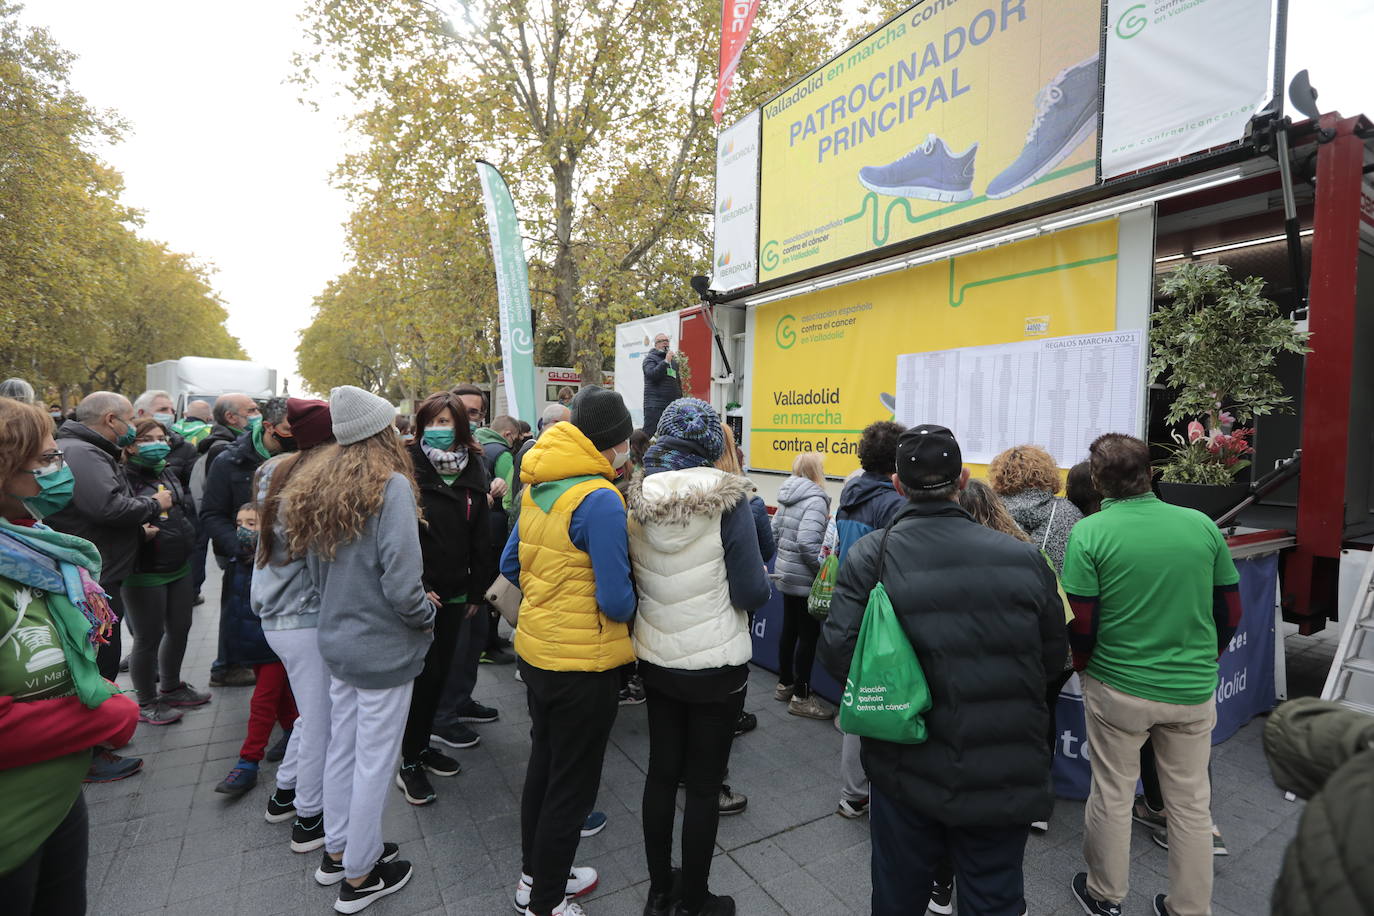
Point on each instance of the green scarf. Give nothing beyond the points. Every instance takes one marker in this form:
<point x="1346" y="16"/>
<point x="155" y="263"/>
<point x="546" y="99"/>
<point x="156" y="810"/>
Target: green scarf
<point x="79" y="563"/>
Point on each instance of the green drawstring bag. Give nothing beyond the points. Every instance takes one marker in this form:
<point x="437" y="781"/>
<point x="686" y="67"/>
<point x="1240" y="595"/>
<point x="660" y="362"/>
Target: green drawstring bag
<point x="818" y="602"/>
<point x="886" y="694"/>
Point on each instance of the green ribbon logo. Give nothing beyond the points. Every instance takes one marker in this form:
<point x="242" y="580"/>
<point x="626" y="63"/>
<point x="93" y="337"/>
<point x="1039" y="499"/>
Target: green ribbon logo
<point x="1131" y="24"/>
<point x="783" y="334"/>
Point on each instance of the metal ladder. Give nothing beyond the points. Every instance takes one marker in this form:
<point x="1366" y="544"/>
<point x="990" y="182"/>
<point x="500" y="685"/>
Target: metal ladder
<point x="1351" y="681"/>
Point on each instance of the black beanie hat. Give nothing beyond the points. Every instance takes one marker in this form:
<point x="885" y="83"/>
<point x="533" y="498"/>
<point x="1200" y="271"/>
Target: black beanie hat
<point x="601" y="416"/>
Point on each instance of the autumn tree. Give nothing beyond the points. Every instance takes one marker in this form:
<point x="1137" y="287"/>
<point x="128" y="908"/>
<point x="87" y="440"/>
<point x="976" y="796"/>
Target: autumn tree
<point x="85" y="302"/>
<point x="598" y="114"/>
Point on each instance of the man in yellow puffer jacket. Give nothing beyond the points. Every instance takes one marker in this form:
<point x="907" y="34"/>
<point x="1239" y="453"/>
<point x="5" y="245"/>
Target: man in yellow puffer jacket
<point x="570" y="556"/>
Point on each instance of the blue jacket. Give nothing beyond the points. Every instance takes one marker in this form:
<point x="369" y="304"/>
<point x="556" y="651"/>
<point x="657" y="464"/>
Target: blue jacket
<point x="661" y="387"/>
<point x="867" y="502"/>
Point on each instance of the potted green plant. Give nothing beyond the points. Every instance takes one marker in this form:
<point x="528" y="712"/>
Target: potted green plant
<point x="1216" y="340"/>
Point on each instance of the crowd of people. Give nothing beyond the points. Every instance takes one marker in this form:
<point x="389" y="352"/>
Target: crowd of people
<point x="358" y="555"/>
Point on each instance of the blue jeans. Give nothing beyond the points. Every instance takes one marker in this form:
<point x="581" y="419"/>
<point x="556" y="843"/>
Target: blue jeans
<point x="908" y="846"/>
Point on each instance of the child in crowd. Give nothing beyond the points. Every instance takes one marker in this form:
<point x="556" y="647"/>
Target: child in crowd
<point x="272" y="701"/>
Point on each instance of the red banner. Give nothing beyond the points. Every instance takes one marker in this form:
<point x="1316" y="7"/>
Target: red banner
<point x="736" y="19"/>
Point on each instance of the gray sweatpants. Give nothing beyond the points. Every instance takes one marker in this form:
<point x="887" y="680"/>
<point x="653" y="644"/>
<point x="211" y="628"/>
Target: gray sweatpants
<point x="359" y="768"/>
<point x="161" y="621"/>
<point x="299" y="651"/>
<point x="853" y="778"/>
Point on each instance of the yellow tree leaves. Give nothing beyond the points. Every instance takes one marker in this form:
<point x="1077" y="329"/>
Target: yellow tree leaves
<point x="84" y="301"/>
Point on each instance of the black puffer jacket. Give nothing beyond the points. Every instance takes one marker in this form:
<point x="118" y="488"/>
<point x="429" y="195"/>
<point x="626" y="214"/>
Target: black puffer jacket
<point x="982" y="611"/>
<point x="455" y="536"/>
<point x="1324" y="752"/>
<point x="228" y="485"/>
<point x="182" y="458"/>
<point x="176" y="534"/>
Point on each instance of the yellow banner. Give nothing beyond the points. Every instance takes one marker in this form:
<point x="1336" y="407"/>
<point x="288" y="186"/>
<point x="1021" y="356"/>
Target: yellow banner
<point x="825" y="364"/>
<point x="952" y="112"/>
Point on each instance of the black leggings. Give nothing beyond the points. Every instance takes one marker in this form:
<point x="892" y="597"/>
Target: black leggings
<point x="689" y="741"/>
<point x="797" y="645"/>
<point x="52" y="881"/>
<point x="424" y="696"/>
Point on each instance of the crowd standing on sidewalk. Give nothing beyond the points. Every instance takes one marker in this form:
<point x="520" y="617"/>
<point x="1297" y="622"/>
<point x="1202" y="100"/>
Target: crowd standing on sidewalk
<point x="363" y="569"/>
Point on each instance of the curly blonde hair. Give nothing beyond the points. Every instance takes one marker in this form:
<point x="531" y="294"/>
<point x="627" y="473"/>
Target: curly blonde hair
<point x="330" y="498"/>
<point x="1023" y="467"/>
<point x="982" y="502"/>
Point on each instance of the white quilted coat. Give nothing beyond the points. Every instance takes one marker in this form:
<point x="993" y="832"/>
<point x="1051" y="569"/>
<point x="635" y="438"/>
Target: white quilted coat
<point x="685" y="617"/>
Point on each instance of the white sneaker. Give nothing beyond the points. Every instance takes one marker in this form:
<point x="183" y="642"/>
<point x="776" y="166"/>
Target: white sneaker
<point x="1040" y="826"/>
<point x="581" y="880"/>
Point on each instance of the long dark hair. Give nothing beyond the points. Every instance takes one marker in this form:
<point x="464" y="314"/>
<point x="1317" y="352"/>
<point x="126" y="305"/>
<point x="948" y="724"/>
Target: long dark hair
<point x="433" y="405"/>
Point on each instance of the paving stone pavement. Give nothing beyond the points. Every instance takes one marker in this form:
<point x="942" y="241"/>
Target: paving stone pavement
<point x="164" y="842"/>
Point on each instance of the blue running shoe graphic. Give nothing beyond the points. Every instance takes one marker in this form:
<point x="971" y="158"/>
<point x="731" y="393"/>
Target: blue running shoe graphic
<point x="1065" y="116"/>
<point x="930" y="172"/>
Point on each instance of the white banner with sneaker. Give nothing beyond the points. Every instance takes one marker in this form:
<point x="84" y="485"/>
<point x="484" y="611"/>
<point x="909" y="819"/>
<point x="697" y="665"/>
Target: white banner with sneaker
<point x="1182" y="76"/>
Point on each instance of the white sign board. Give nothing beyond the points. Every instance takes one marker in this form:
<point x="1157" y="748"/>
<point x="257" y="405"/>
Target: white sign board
<point x="1061" y="393"/>
<point x="1182" y="77"/>
<point x="632" y="340"/>
<point x="737" y="205"/>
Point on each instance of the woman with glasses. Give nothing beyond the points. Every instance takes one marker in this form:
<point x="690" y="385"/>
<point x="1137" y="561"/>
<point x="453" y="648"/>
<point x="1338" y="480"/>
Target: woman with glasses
<point x="54" y="705"/>
<point x="158" y="594"/>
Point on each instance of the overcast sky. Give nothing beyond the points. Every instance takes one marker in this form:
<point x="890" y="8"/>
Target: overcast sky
<point x="229" y="166"/>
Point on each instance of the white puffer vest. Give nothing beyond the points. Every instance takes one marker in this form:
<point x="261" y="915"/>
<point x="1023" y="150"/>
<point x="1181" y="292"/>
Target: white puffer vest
<point x="685" y="617"/>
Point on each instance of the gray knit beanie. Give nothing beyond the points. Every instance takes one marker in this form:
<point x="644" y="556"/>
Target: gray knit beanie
<point x="601" y="415"/>
<point x="358" y="414"/>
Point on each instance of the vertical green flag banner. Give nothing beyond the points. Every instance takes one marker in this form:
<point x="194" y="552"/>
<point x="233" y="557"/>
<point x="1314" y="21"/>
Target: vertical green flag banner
<point x="512" y="293"/>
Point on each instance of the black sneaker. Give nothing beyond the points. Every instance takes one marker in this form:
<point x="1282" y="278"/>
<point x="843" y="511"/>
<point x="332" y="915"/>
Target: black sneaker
<point x="307" y="834"/>
<point x="331" y="872"/>
<point x="746" y="722"/>
<point x="713" y="905"/>
<point x="941" y="897"/>
<point x="387" y="878"/>
<point x="1090" y="904"/>
<point x="456" y="736"/>
<point x="281" y="806"/>
<point x="439" y="764"/>
<point x="497" y="657"/>
<point x="1160" y="908"/>
<point x="413" y="782"/>
<point x="476" y="712"/>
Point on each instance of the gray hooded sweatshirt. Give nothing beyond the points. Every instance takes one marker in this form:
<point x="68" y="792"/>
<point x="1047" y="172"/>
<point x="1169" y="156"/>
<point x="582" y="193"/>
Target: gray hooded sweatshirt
<point x="374" y="616"/>
<point x="284" y="596"/>
<point x="799" y="527"/>
<point x="1047" y="519"/>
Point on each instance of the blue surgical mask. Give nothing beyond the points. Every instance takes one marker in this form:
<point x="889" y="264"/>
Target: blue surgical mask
<point x="55" y="492"/>
<point x="127" y="437"/>
<point x="439" y="437"/>
<point x="166" y="419"/>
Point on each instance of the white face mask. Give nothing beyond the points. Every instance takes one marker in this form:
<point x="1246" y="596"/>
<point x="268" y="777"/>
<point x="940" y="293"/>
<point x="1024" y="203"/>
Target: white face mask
<point x="621" y="459"/>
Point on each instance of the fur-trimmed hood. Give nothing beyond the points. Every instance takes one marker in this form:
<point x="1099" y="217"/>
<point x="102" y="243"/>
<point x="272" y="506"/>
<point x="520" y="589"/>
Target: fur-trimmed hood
<point x="673" y="505"/>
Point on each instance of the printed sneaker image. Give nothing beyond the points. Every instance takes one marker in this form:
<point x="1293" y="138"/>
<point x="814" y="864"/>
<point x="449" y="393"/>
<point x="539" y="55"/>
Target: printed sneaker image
<point x="1065" y="116"/>
<point x="930" y="172"/>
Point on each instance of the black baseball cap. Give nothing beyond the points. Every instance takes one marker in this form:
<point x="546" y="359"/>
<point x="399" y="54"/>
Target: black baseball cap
<point x="928" y="458"/>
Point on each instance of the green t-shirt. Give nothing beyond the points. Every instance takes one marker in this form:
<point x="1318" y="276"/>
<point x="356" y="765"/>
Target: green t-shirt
<point x="1152" y="566"/>
<point x="34" y="798"/>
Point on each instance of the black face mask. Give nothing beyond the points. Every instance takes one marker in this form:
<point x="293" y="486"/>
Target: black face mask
<point x="287" y="443"/>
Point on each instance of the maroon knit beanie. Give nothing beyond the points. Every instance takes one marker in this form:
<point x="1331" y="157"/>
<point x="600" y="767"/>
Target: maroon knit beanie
<point x="310" y="422"/>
